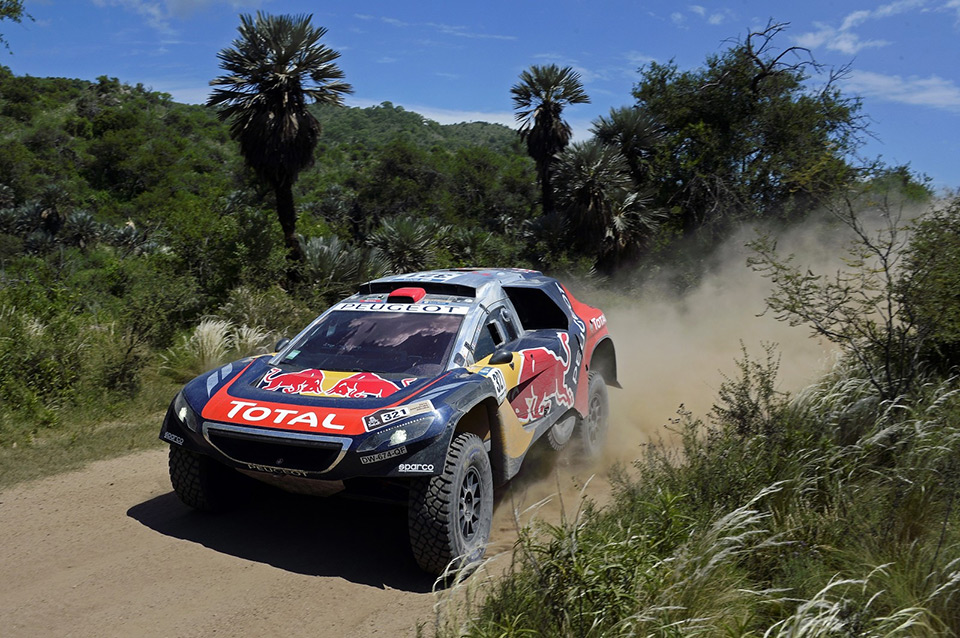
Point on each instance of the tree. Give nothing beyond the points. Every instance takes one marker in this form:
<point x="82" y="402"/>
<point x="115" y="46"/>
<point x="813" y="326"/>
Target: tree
<point x="274" y="69"/>
<point x="635" y="133"/>
<point x="539" y="99"/>
<point x="865" y="308"/>
<point x="748" y="135"/>
<point x="608" y="217"/>
<point x="12" y="10"/>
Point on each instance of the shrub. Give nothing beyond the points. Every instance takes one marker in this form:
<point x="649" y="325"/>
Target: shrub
<point x="930" y="284"/>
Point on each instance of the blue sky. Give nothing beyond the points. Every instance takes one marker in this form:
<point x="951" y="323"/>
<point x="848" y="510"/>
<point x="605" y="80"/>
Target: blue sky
<point x="456" y="61"/>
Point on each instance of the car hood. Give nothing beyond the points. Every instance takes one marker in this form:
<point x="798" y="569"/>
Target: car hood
<point x="257" y="393"/>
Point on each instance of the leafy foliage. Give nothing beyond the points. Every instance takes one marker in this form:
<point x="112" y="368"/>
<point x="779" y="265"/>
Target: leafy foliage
<point x="747" y="135"/>
<point x="767" y="522"/>
<point x="930" y="281"/>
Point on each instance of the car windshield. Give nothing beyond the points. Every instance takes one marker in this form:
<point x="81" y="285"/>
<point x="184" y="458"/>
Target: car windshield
<point x="386" y="342"/>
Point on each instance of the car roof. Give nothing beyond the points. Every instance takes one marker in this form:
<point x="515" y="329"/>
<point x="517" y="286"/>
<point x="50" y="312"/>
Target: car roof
<point x="470" y="284"/>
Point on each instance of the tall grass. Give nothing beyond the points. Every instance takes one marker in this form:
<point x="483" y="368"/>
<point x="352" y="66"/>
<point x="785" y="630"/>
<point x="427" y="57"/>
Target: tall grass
<point x="832" y="513"/>
<point x="213" y="342"/>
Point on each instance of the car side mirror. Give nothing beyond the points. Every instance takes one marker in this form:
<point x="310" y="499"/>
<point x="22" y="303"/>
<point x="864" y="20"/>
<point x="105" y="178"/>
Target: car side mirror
<point x="281" y="344"/>
<point x="501" y="356"/>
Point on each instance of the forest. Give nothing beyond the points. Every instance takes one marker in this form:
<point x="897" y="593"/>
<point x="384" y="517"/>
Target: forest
<point x="141" y="244"/>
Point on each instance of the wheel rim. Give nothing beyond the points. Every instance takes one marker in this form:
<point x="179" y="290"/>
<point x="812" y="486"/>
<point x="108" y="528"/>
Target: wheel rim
<point x="564" y="429"/>
<point x="471" y="494"/>
<point x="595" y="421"/>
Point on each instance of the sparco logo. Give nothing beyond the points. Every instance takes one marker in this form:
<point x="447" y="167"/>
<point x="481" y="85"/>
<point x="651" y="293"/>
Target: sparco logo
<point x="415" y="467"/>
<point x="173" y="438"/>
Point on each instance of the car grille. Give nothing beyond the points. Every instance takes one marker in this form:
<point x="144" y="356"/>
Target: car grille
<point x="291" y="453"/>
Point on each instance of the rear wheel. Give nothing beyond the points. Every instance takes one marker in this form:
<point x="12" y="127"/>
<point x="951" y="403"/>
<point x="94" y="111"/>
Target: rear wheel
<point x="201" y="482"/>
<point x="449" y="515"/>
<point x="592" y="429"/>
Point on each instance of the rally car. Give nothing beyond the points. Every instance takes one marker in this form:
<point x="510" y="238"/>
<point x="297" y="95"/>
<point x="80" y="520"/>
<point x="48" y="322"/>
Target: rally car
<point x="437" y="381"/>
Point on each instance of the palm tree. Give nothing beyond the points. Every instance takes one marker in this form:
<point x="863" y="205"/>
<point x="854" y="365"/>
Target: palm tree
<point x="598" y="197"/>
<point x="539" y="99"/>
<point x="634" y="132"/>
<point x="272" y="70"/>
<point x="589" y="174"/>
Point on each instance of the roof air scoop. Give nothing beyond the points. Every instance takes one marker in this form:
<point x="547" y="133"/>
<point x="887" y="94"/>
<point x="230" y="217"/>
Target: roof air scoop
<point x="406" y="295"/>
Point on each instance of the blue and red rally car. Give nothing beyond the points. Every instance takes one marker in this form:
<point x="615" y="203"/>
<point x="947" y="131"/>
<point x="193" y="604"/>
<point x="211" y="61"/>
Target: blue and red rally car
<point x="440" y="381"/>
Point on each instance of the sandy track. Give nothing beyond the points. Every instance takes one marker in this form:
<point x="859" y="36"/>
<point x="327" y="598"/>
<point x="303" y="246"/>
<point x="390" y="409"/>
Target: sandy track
<point x="110" y="551"/>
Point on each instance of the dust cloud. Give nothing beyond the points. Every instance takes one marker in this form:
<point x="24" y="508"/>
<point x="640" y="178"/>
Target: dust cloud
<point x="673" y="350"/>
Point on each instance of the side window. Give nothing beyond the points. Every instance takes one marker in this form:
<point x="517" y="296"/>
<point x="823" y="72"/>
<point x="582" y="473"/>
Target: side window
<point x="536" y="310"/>
<point x="491" y="337"/>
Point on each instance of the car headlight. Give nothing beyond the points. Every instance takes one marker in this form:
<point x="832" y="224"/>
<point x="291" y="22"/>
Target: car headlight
<point x="185" y="414"/>
<point x="397" y="434"/>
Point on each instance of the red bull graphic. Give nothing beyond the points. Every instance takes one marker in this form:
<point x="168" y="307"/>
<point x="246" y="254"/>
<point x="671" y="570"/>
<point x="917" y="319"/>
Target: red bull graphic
<point x="360" y="385"/>
<point x="363" y="385"/>
<point x="541" y="393"/>
<point x="307" y="381"/>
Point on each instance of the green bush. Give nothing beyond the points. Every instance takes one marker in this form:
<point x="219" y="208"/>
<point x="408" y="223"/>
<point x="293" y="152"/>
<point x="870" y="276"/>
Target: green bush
<point x="931" y="283"/>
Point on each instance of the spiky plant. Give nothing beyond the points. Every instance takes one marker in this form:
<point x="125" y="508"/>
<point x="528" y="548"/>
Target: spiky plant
<point x="408" y="244"/>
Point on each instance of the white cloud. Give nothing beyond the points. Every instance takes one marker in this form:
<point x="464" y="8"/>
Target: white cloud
<point x="714" y="18"/>
<point x="463" y="32"/>
<point x="158" y="13"/>
<point x="953" y="5"/>
<point x="185" y="8"/>
<point x="445" y="29"/>
<point x="854" y="19"/>
<point x="843" y="39"/>
<point x="637" y="59"/>
<point x="933" y="91"/>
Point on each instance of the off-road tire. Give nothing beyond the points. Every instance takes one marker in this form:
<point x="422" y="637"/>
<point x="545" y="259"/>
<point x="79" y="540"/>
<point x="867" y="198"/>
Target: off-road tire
<point x="591" y="431"/>
<point x="201" y="482"/>
<point x="449" y="516"/>
<point x="560" y="433"/>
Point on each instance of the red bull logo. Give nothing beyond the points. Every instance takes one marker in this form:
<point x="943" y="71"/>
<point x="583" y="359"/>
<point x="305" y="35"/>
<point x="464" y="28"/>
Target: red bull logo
<point x="543" y="379"/>
<point x="363" y="385"/>
<point x="360" y="385"/>
<point x="309" y="381"/>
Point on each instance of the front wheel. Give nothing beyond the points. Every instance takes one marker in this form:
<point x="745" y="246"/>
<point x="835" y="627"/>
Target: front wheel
<point x="449" y="516"/>
<point x="201" y="482"/>
<point x="592" y="429"/>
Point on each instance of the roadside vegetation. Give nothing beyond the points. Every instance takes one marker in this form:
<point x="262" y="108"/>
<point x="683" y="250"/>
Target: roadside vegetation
<point x="140" y="245"/>
<point x="828" y="513"/>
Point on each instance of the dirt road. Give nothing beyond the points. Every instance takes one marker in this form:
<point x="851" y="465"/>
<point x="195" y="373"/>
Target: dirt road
<point x="110" y="551"/>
